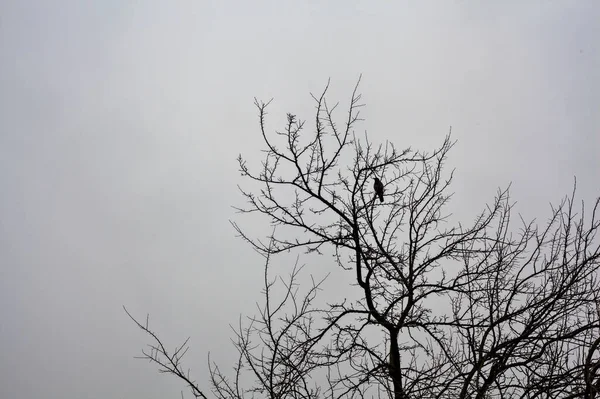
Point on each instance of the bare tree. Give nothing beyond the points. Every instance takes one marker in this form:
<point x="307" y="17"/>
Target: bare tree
<point x="484" y="310"/>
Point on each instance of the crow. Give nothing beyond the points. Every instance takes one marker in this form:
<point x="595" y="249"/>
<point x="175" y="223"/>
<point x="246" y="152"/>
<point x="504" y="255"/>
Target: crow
<point x="378" y="186"/>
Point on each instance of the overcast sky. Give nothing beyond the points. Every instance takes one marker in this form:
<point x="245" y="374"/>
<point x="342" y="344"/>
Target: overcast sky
<point x="120" y="123"/>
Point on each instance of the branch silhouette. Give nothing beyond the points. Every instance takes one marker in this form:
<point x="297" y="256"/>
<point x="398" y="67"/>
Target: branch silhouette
<point x="496" y="308"/>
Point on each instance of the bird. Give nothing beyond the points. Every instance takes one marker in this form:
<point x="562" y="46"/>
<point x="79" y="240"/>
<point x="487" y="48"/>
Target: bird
<point x="378" y="186"/>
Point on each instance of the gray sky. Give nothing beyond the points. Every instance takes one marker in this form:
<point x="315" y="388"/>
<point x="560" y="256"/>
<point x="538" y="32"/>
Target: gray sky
<point x="120" y="122"/>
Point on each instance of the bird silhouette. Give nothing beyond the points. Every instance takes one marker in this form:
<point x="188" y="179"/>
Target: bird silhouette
<point x="378" y="187"/>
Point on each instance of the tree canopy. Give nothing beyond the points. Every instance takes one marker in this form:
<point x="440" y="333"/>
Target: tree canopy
<point x="497" y="308"/>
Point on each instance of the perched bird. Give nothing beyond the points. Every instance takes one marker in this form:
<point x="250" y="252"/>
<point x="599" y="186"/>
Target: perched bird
<point x="378" y="186"/>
